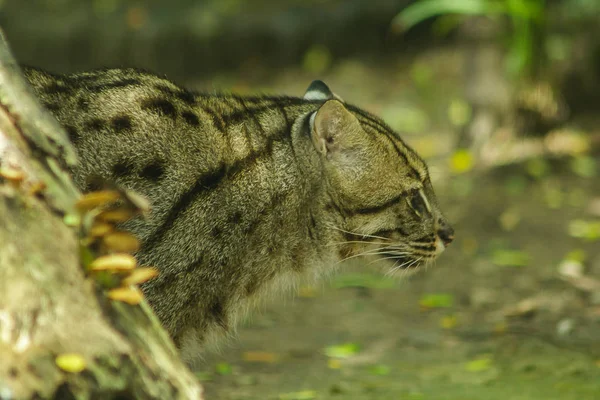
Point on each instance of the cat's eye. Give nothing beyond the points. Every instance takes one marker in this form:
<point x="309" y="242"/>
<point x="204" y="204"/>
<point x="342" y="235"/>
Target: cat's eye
<point x="418" y="202"/>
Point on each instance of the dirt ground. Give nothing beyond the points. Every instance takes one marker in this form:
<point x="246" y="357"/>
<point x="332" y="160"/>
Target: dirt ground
<point x="510" y="311"/>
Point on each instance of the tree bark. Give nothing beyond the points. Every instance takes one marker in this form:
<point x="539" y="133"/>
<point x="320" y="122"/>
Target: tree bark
<point x="49" y="306"/>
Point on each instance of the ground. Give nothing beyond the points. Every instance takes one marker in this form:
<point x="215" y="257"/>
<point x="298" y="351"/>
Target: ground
<point x="510" y="311"/>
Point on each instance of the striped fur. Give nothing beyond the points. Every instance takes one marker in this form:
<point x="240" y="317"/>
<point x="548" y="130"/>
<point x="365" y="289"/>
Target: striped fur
<point x="249" y="195"/>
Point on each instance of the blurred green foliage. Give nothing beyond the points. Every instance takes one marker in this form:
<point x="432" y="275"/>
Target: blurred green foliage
<point x="525" y="15"/>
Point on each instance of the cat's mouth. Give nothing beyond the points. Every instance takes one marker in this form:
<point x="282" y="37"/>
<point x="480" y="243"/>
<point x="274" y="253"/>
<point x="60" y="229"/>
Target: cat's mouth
<point x="398" y="256"/>
<point x="411" y="257"/>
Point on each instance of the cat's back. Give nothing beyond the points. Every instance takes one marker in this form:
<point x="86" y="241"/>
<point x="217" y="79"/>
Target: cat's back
<point x="130" y="125"/>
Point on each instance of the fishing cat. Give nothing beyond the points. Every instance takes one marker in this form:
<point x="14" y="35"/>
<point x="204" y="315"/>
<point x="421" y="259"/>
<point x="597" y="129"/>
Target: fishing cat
<point x="248" y="194"/>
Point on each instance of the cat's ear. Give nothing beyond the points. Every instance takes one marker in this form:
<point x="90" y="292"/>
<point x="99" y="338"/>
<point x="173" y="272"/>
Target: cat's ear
<point x="334" y="128"/>
<point x="318" y="90"/>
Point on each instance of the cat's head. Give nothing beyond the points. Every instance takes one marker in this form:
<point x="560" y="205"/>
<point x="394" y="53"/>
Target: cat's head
<point x="377" y="184"/>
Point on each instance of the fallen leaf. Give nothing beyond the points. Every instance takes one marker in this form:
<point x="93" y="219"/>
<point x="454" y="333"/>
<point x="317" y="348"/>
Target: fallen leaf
<point x="334" y="363"/>
<point x="480" y="364"/>
<point x="303" y="395"/>
<point x="449" y="322"/>
<point x="342" y="351"/>
<point x="380" y="370"/>
<point x="260" y="356"/>
<point x="223" y="368"/>
<point x="70" y="362"/>
<point x="584" y="229"/>
<point x="523" y="308"/>
<point x="537" y="168"/>
<point x="461" y="161"/>
<point x="585" y="166"/>
<point x="459" y="112"/>
<point x="510" y="258"/>
<point x="436" y="300"/>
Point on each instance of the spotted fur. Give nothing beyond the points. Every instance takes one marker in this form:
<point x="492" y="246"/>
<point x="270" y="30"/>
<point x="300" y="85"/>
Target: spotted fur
<point x="249" y="195"/>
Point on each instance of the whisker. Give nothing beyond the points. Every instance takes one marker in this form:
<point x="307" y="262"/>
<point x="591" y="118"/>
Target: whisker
<point x="390" y="272"/>
<point x="401" y="265"/>
<point x="364" y="235"/>
<point x="366" y="253"/>
<point x="395" y="256"/>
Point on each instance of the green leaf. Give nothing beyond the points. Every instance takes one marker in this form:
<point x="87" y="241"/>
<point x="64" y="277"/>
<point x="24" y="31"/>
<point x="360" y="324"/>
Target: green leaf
<point x="303" y="395"/>
<point x="582" y="229"/>
<point x="479" y="364"/>
<point x="577" y="255"/>
<point x="345" y="350"/>
<point x="537" y="168"/>
<point x="422" y="10"/>
<point x="584" y="166"/>
<point x="459" y="112"/>
<point x="510" y="258"/>
<point x="380" y="370"/>
<point x="223" y="368"/>
<point x="437" y="300"/>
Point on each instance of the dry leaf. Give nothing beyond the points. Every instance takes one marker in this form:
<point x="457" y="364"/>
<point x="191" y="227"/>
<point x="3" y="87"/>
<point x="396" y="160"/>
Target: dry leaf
<point x="36" y="188"/>
<point x="523" y="308"/>
<point x="12" y="174"/>
<point x="114" y="262"/>
<point x="117" y="215"/>
<point x="100" y="229"/>
<point x="100" y="198"/>
<point x="140" y="275"/>
<point x="130" y="295"/>
<point x="122" y="242"/>
<point x="260" y="356"/>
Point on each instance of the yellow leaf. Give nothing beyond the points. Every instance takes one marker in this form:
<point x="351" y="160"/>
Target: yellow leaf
<point x="334" y="363"/>
<point x="500" y="328"/>
<point x="100" y="229"/>
<point x="70" y="362"/>
<point x="100" y="198"/>
<point x="114" y="262"/>
<point x="130" y="295"/>
<point x="122" y="242"/>
<point x="461" y="161"/>
<point x="117" y="215"/>
<point x="260" y="356"/>
<point x="449" y="322"/>
<point x="140" y="275"/>
<point x="12" y="174"/>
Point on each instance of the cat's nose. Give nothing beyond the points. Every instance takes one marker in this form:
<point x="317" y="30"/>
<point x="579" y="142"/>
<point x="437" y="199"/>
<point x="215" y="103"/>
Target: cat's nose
<point x="446" y="233"/>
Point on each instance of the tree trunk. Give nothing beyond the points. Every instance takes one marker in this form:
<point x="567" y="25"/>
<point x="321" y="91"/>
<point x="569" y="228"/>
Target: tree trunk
<point x="49" y="306"/>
